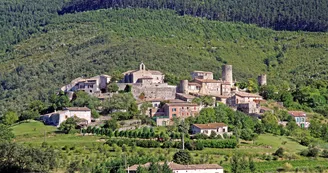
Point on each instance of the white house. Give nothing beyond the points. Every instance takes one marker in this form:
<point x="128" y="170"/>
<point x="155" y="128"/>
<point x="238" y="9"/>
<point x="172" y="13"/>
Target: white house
<point x="57" y="117"/>
<point x="300" y="118"/>
<point x="177" y="168"/>
<point x="207" y="129"/>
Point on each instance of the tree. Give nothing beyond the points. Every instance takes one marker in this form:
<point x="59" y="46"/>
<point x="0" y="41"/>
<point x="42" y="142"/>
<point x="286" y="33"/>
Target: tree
<point x="182" y="157"/>
<point x="111" y="124"/>
<point x="26" y="159"/>
<point x="270" y="122"/>
<point x="9" y="118"/>
<point x="68" y="126"/>
<point x="252" y="86"/>
<point x="166" y="168"/>
<point x="141" y="169"/>
<point x="252" y="166"/>
<point x="94" y="113"/>
<point x="6" y="133"/>
<point x="117" y="76"/>
<point x="144" y="107"/>
<point x="112" y="87"/>
<point x="279" y="152"/>
<point x="154" y="167"/>
<point x="83" y="99"/>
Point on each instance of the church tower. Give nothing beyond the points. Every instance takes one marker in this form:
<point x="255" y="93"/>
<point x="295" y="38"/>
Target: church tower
<point x="142" y="67"/>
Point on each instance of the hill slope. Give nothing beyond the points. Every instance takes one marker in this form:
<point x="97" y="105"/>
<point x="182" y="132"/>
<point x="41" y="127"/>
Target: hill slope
<point x="103" y="41"/>
<point x="307" y="15"/>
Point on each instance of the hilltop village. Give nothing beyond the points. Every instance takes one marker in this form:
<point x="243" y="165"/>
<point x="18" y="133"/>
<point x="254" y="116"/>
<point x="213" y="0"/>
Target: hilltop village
<point x="166" y="102"/>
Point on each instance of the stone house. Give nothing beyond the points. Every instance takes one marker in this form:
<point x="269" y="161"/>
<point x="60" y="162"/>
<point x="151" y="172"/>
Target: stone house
<point x="136" y="76"/>
<point x="207" y="129"/>
<point x="300" y="118"/>
<point x="177" y="168"/>
<point x="148" y="83"/>
<point x="243" y="97"/>
<point x="185" y="97"/>
<point x="57" y="117"/>
<point x="180" y="110"/>
<point x="201" y="75"/>
<point x="93" y="85"/>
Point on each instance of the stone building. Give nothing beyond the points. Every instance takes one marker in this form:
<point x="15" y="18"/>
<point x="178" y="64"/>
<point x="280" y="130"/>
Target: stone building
<point x="204" y="84"/>
<point x="243" y="97"/>
<point x="148" y="84"/>
<point x="94" y="85"/>
<point x="138" y="76"/>
<point x="201" y="75"/>
<point x="57" y="117"/>
<point x="207" y="129"/>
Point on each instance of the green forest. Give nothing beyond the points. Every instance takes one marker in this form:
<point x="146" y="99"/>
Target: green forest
<point x="307" y="15"/>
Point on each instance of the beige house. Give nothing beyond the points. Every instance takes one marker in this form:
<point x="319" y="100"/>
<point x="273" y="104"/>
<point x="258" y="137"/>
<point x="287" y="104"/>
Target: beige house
<point x="57" y="117"/>
<point x="300" y="118"/>
<point x="207" y="129"/>
<point x="177" y="168"/>
<point x="201" y="75"/>
<point x="93" y="85"/>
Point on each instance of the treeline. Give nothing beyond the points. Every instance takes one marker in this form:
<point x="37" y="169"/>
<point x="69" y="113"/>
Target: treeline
<point x="280" y="15"/>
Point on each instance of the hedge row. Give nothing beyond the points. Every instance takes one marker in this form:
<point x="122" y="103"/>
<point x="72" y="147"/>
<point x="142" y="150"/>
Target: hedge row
<point x="226" y="143"/>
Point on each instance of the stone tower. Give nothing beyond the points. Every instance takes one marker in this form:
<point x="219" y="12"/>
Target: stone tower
<point x="183" y="87"/>
<point x="227" y="73"/>
<point x="262" y="80"/>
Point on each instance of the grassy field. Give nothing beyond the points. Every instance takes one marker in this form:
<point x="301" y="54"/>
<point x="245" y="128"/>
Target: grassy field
<point x="91" y="147"/>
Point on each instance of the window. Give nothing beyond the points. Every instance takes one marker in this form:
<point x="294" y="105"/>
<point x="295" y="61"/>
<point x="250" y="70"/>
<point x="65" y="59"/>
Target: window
<point x="91" y="91"/>
<point x="195" y="108"/>
<point x="174" y="115"/>
<point x="187" y="107"/>
<point x="174" y="109"/>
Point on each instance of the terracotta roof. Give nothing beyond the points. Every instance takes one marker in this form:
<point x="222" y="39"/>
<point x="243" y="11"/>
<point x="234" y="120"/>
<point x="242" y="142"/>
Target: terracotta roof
<point x="185" y="95"/>
<point x="175" y="166"/>
<point x="210" y="125"/>
<point x="194" y="83"/>
<point x="77" y="108"/>
<point x="297" y="113"/>
<point x="181" y="104"/>
<point x="208" y="80"/>
<point x="245" y="94"/>
<point x="155" y="72"/>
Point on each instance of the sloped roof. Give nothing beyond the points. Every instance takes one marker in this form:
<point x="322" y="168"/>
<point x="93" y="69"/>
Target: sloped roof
<point x="210" y="125"/>
<point x="245" y="94"/>
<point x="77" y="109"/>
<point x="174" y="166"/>
<point x="297" y="113"/>
<point x="208" y="80"/>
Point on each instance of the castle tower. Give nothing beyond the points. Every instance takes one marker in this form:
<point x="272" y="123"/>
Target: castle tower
<point x="183" y="88"/>
<point x="227" y="73"/>
<point x="142" y="66"/>
<point x="262" y="80"/>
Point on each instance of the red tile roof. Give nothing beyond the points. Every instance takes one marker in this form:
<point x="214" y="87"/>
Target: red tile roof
<point x="245" y="94"/>
<point x="181" y="104"/>
<point x="210" y="125"/>
<point x="297" y="113"/>
<point x="175" y="166"/>
<point x="77" y="109"/>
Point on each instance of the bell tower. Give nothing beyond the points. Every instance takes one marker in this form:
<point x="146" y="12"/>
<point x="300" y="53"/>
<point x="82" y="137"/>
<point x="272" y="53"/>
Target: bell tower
<point x="142" y="66"/>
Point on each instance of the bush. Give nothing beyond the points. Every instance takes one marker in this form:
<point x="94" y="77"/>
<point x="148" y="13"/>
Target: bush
<point x="325" y="153"/>
<point x="279" y="152"/>
<point x="182" y="157"/>
<point x="225" y="143"/>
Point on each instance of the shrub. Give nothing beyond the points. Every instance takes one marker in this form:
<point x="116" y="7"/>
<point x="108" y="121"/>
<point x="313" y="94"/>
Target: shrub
<point x="279" y="152"/>
<point x="225" y="143"/>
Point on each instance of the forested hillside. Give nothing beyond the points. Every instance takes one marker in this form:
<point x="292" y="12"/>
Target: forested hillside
<point x="21" y="18"/>
<point x="103" y="41"/>
<point x="307" y="15"/>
